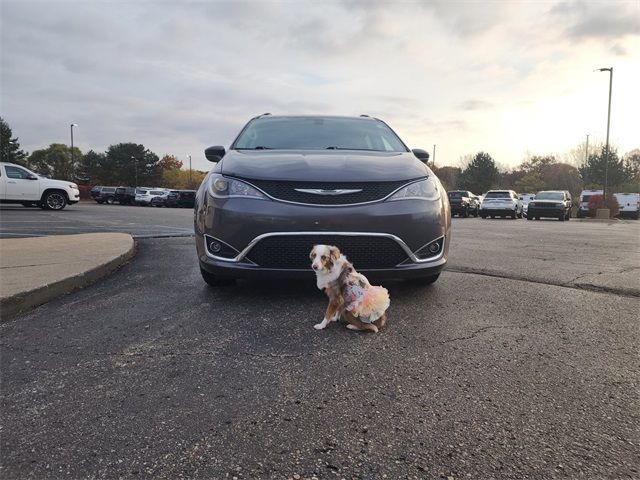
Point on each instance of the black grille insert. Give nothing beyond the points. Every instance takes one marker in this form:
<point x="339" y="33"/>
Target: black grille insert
<point x="292" y="252"/>
<point x="286" y="190"/>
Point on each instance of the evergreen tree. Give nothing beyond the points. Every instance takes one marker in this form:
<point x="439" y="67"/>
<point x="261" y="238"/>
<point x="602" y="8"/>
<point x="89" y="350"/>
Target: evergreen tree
<point x="10" y="147"/>
<point x="480" y="175"/>
<point x="593" y="170"/>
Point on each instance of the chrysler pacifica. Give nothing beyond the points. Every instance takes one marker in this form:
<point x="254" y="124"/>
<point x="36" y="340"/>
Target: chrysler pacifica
<point x="289" y="182"/>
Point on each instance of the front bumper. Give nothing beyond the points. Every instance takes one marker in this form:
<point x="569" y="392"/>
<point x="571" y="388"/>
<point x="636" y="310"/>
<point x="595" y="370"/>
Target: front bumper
<point x="241" y="224"/>
<point x="545" y="212"/>
<point x="499" y="212"/>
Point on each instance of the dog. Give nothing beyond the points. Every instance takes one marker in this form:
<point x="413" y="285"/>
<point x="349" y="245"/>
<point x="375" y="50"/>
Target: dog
<point x="351" y="296"/>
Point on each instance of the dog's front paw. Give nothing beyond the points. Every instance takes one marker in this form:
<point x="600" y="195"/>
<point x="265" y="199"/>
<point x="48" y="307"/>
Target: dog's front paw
<point x="319" y="326"/>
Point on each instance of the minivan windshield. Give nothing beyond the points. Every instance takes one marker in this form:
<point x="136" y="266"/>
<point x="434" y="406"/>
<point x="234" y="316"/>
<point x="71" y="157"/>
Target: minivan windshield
<point x="318" y="133"/>
<point x="550" y="196"/>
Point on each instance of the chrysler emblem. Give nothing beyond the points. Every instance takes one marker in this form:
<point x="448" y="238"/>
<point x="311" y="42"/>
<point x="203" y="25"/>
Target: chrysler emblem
<point x="320" y="191"/>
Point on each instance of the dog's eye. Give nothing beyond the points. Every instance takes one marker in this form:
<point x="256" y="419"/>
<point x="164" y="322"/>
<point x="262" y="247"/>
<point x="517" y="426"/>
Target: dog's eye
<point x="313" y="255"/>
<point x="324" y="257"/>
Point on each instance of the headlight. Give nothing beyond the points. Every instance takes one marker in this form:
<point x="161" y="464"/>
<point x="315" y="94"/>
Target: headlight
<point x="224" y="187"/>
<point x="423" y="189"/>
<point x="73" y="185"/>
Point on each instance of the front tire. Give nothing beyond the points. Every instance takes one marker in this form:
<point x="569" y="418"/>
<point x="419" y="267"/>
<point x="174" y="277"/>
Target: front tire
<point x="110" y="200"/>
<point x="215" y="280"/>
<point x="55" y="200"/>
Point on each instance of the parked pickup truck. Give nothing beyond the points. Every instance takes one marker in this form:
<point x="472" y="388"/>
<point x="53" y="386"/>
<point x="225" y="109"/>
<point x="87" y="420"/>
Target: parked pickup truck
<point x="20" y="185"/>
<point x="463" y="203"/>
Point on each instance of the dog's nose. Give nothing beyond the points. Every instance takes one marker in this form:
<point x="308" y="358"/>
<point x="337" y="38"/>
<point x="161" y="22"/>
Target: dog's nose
<point x="314" y="266"/>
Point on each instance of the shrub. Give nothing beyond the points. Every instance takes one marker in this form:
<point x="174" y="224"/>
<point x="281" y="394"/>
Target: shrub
<point x="596" y="202"/>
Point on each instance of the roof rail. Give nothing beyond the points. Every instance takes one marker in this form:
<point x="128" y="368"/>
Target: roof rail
<point x="363" y="115"/>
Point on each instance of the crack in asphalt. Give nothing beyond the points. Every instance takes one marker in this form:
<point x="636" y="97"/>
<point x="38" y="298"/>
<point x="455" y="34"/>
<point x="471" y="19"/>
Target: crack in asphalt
<point x="480" y="330"/>
<point x="575" y="286"/>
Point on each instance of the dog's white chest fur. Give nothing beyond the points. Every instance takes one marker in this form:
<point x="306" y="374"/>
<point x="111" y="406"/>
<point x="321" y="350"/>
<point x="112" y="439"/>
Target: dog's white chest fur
<point x="325" y="278"/>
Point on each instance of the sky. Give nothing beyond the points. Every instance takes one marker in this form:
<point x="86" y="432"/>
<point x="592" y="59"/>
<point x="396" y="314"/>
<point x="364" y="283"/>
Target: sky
<point x="511" y="78"/>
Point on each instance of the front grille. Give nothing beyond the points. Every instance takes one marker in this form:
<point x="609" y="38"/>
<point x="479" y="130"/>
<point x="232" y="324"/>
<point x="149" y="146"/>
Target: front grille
<point x="545" y="205"/>
<point x="291" y="252"/>
<point x="286" y="190"/>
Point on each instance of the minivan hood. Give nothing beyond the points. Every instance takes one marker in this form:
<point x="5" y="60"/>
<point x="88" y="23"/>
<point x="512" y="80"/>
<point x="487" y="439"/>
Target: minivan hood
<point x="330" y="165"/>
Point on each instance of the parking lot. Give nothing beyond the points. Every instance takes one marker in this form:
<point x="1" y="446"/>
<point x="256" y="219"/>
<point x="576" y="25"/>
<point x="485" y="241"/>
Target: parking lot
<point x="89" y="217"/>
<point x="520" y="362"/>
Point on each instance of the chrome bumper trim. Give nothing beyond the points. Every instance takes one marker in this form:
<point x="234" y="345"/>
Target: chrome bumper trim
<point x="240" y="258"/>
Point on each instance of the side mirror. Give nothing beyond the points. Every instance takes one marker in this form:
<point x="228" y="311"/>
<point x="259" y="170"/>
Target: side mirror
<point x="421" y="154"/>
<point x="214" y="154"/>
<point x="31" y="176"/>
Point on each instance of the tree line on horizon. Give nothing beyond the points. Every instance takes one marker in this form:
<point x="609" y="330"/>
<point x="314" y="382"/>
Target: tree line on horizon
<point x="546" y="172"/>
<point x="123" y="164"/>
<point x="133" y="164"/>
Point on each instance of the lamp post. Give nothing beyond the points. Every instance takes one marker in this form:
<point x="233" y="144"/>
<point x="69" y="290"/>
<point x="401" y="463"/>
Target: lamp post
<point x="434" y="155"/>
<point x="190" y="184"/>
<point x="586" y="151"/>
<point x="606" y="148"/>
<point x="135" y="166"/>
<point x="72" y="125"/>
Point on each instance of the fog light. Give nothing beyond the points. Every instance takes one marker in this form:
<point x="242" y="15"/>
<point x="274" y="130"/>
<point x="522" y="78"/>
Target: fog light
<point x="430" y="250"/>
<point x="215" y="247"/>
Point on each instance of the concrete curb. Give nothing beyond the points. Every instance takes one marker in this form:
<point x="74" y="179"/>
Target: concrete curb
<point x="12" y="305"/>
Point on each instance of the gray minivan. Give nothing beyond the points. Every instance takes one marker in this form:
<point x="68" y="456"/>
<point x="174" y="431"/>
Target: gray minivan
<point x="289" y="182"/>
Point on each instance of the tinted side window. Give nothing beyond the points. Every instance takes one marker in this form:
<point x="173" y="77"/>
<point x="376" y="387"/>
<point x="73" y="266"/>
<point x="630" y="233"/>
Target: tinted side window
<point x="16" y="172"/>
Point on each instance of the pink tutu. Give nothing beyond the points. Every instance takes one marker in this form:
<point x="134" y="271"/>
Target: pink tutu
<point x="367" y="302"/>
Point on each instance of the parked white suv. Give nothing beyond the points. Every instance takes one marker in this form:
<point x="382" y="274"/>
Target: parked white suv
<point x="145" y="195"/>
<point x="20" y="185"/>
<point x="501" y="203"/>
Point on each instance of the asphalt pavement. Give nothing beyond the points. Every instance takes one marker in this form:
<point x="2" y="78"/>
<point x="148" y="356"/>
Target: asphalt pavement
<point x="493" y="374"/>
<point x="17" y="221"/>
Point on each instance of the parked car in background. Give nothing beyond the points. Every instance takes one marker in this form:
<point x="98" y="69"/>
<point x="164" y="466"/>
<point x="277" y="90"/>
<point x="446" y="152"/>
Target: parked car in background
<point x="103" y="194"/>
<point x="20" y="185"/>
<point x="583" y="202"/>
<point x="525" y="199"/>
<point x="290" y="182"/>
<point x="501" y="203"/>
<point x="628" y="204"/>
<point x="463" y="203"/>
<point x="125" y="195"/>
<point x="160" y="200"/>
<point x="550" y="204"/>
<point x="181" y="198"/>
<point x="144" y="196"/>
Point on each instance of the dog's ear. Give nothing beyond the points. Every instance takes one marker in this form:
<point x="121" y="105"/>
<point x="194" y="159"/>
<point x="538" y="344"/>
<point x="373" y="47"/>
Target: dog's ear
<point x="334" y="252"/>
<point x="312" y="253"/>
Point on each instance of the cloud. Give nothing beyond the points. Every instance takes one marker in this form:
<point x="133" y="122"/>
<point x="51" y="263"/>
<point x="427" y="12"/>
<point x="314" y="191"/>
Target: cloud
<point x="179" y="76"/>
<point x="612" y="20"/>
<point x="475" y="104"/>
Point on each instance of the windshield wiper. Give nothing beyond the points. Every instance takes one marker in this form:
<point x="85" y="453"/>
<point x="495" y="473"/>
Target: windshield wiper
<point x="259" y="147"/>
<point x="358" y="149"/>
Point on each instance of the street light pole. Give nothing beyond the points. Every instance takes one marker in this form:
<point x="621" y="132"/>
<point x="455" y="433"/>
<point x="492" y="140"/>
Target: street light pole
<point x="135" y="166"/>
<point x="72" y="125"/>
<point x="586" y="151"/>
<point x="434" y="155"/>
<point x="606" y="148"/>
<point x="190" y="184"/>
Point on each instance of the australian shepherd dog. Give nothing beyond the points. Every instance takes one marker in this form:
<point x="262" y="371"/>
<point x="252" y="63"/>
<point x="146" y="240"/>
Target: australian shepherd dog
<point x="351" y="297"/>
